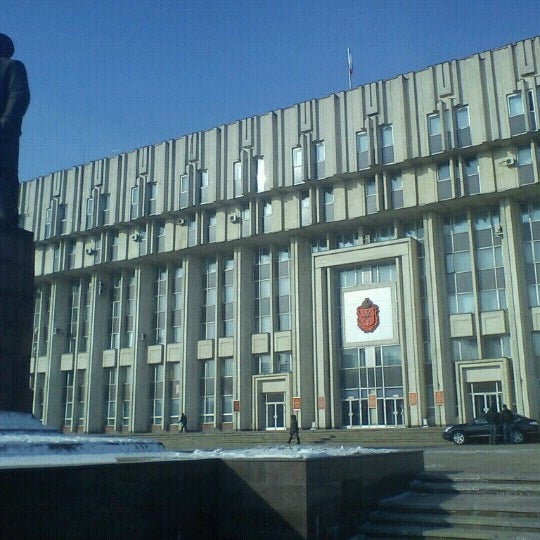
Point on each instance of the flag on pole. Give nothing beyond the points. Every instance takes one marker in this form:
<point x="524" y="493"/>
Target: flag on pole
<point x="349" y="66"/>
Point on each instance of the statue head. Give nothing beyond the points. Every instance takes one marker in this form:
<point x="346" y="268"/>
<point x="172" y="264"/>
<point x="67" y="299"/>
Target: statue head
<point x="6" y="46"/>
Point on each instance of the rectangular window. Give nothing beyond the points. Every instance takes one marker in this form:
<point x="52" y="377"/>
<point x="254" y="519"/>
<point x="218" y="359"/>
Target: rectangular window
<point x="362" y="151"/>
<point x="105" y="209"/>
<point x="435" y="133"/>
<point x="114" y="313"/>
<point x="525" y="165"/>
<point x="204" y="195"/>
<point x="207" y="391"/>
<point x="152" y="198"/>
<point x="130" y="313"/>
<point x="97" y="249"/>
<point x="238" y="179"/>
<point x="111" y="381"/>
<point x="68" y="398"/>
<point x="396" y="191"/>
<point x="192" y="230"/>
<point x="89" y="212"/>
<point x="516" y="114"/>
<point x="463" y="129"/>
<point x="48" y="222"/>
<point x="134" y="207"/>
<point x="126" y="379"/>
<point x="160" y="236"/>
<point x="263" y="313"/>
<point x="263" y="364"/>
<point x="80" y="396"/>
<point x="246" y="220"/>
<point x="387" y="144"/>
<point x="471" y="176"/>
<point x="209" y="304"/>
<point x="267" y="216"/>
<point x="228" y="298"/>
<point x="283" y="290"/>
<point x="56" y="257"/>
<point x="284" y="362"/>
<point x="370" y="190"/>
<point x="530" y="231"/>
<point x="62" y="218"/>
<point x="184" y="191"/>
<point x="71" y="248"/>
<point x="305" y="210"/>
<point x="227" y="372"/>
<point x="114" y="245"/>
<point x="177" y="304"/>
<point x="298" y="165"/>
<point x="261" y="175"/>
<point x="444" y="181"/>
<point x="160" y="309"/>
<point x="74" y="317"/>
<point x="211" y="226"/>
<point x="328" y="204"/>
<point x="86" y="311"/>
<point x="174" y="391"/>
<point x="320" y="160"/>
<point x="156" y="394"/>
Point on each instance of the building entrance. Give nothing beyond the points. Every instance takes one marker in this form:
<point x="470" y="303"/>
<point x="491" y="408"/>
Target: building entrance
<point x="275" y="410"/>
<point x="485" y="394"/>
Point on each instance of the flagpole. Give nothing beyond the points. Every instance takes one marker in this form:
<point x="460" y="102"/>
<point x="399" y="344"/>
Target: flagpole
<point x="349" y="66"/>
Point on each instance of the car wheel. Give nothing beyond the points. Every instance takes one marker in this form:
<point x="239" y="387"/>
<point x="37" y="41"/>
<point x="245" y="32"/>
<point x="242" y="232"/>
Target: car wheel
<point x="517" y="437"/>
<point x="459" y="437"/>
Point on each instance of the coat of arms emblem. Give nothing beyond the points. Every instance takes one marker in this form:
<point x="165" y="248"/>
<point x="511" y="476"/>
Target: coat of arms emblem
<point x="367" y="316"/>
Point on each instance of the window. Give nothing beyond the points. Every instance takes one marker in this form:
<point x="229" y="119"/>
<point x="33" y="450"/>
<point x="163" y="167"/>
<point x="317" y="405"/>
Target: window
<point x="73" y="317"/>
<point x="319" y="245"/>
<point x="284" y="301"/>
<point x="396" y="191"/>
<point x="328" y="204"/>
<point x="471" y="176"/>
<point x="160" y="236"/>
<point x="227" y="372"/>
<point x="238" y="179"/>
<point x="105" y="209"/>
<point x="284" y="362"/>
<point x="192" y="230"/>
<point x="80" y="395"/>
<point x="56" y="257"/>
<point x="530" y="229"/>
<point x="516" y="114"/>
<point x="71" y="248"/>
<point x="111" y="381"/>
<point x="463" y="130"/>
<point x="156" y="394"/>
<point x="89" y="212"/>
<point x="298" y="165"/>
<point x="48" y="222"/>
<point x="444" y="181"/>
<point x="246" y="220"/>
<point x="435" y="133"/>
<point x="184" y="191"/>
<point x="62" y="218"/>
<point x="207" y="389"/>
<point x="126" y="379"/>
<point x="152" y="197"/>
<point x="177" y="303"/>
<point x="261" y="175"/>
<point x="525" y="165"/>
<point x="387" y="144"/>
<point x="134" y="208"/>
<point x="86" y="310"/>
<point x="263" y="315"/>
<point x="267" y="217"/>
<point x="228" y="298"/>
<point x="305" y="210"/>
<point x="362" y="151"/>
<point x="130" y="314"/>
<point x="160" y="309"/>
<point x="489" y="262"/>
<point x="114" y="245"/>
<point x="68" y="398"/>
<point x="174" y="392"/>
<point x="114" y="314"/>
<point x="263" y="364"/>
<point x="97" y="249"/>
<point x="141" y="235"/>
<point x="320" y="158"/>
<point x="209" y="299"/>
<point x="203" y="187"/>
<point x="211" y="226"/>
<point x="459" y="278"/>
<point x="370" y="190"/>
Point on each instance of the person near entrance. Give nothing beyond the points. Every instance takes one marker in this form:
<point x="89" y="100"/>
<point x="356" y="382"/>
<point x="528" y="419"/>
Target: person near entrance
<point x="294" y="430"/>
<point x="492" y="417"/>
<point x="183" y="423"/>
<point x="507" y="417"/>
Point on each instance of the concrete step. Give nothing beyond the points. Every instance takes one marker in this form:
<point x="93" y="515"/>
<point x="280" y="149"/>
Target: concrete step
<point x="508" y="487"/>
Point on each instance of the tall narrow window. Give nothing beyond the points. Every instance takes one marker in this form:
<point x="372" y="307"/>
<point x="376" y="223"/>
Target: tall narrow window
<point x="471" y="176"/>
<point x="435" y="133"/>
<point x="283" y="277"/>
<point x="263" y="314"/>
<point x="463" y="129"/>
<point x="89" y="212"/>
<point x="105" y="209"/>
<point x="114" y="245"/>
<point x="298" y="165"/>
<point x="246" y="220"/>
<point x="62" y="218"/>
<point x="516" y="114"/>
<point x="362" y="150"/>
<point x="227" y="372"/>
<point x="160" y="236"/>
<point x="114" y="317"/>
<point x="207" y="391"/>
<point x="396" y="191"/>
<point x="444" y="181"/>
<point x="305" y="210"/>
<point x="530" y="230"/>
<point x="177" y="303"/>
<point x="68" y="398"/>
<point x="126" y="378"/>
<point x="80" y="396"/>
<point x="152" y="197"/>
<point x="156" y="394"/>
<point x="370" y="187"/>
<point x="56" y="257"/>
<point x="86" y="313"/>
<point x="174" y="392"/>
<point x="160" y="311"/>
<point x="525" y="165"/>
<point x="203" y="187"/>
<point x="228" y="298"/>
<point x="284" y="362"/>
<point x="48" y="222"/>
<point x="328" y="204"/>
<point x="184" y="191"/>
<point x="74" y="317"/>
<point x="130" y="311"/>
<point x="111" y="381"/>
<point x="261" y="175"/>
<point x="238" y="179"/>
<point x="387" y="144"/>
<point x="134" y="207"/>
<point x="320" y="160"/>
<point x="71" y="248"/>
<point x="192" y="231"/>
<point x="211" y="226"/>
<point x="267" y="217"/>
<point x="209" y="299"/>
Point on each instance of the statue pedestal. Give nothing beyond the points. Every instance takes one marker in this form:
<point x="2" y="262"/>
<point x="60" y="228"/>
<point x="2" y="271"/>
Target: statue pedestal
<point x="16" y="313"/>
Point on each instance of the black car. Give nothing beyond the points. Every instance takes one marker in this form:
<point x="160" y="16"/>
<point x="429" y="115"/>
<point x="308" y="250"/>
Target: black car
<point x="478" y="430"/>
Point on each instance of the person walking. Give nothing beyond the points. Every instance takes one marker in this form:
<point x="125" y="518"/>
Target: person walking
<point x="492" y="417"/>
<point x="507" y="418"/>
<point x="294" y="430"/>
<point x="183" y="423"/>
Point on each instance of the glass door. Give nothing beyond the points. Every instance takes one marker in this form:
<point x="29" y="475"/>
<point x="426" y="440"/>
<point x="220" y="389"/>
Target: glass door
<point x="484" y="395"/>
<point x="275" y="410"/>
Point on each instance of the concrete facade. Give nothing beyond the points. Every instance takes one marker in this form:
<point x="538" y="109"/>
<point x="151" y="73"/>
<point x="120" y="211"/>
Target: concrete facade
<point x="371" y="258"/>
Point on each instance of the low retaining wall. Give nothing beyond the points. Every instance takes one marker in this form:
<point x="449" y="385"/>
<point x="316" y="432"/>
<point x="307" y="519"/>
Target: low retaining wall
<point x="232" y="499"/>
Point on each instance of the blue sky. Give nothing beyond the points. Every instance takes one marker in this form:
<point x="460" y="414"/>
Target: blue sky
<point x="109" y="76"/>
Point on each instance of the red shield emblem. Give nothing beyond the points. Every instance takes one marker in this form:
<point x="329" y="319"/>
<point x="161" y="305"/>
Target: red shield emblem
<point x="367" y="316"/>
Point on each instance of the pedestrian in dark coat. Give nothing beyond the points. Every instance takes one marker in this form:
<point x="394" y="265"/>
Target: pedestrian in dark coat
<point x="507" y="418"/>
<point x="492" y="417"/>
<point x="14" y="100"/>
<point x="183" y="422"/>
<point x="294" y="430"/>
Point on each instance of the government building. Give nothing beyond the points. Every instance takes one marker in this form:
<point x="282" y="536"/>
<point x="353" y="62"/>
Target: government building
<point x="368" y="259"/>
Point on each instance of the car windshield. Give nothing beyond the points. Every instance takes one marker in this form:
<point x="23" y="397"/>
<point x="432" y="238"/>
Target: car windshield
<point x="479" y="421"/>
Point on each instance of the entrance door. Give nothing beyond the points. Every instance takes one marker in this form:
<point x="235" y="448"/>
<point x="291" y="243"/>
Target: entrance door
<point x="350" y="412"/>
<point x="275" y="410"/>
<point x="484" y="395"/>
